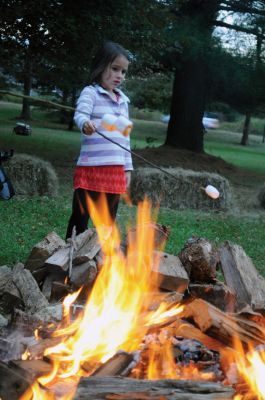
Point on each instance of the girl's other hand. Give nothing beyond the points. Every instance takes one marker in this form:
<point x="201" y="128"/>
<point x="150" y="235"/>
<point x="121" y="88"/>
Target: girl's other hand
<point x="88" y="128"/>
<point x="128" y="179"/>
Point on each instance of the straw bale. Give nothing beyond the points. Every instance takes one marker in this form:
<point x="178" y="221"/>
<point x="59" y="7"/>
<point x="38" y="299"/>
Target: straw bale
<point x="31" y="175"/>
<point x="183" y="191"/>
<point x="261" y="196"/>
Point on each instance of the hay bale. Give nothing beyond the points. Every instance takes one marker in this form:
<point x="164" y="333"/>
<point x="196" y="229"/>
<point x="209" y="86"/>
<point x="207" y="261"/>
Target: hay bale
<point x="261" y="196"/>
<point x="32" y="176"/>
<point x="183" y="191"/>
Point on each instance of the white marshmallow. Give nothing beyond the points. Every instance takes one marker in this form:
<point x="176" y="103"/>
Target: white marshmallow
<point x="124" y="125"/>
<point x="212" y="192"/>
<point x="108" y="122"/>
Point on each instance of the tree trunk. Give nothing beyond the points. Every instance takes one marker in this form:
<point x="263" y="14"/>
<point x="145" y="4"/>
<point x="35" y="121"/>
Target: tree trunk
<point x="244" y="140"/>
<point x="185" y="129"/>
<point x="25" y="113"/>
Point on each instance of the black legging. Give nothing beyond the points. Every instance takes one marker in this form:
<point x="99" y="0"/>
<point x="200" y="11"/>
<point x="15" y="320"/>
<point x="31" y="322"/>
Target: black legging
<point x="80" y="212"/>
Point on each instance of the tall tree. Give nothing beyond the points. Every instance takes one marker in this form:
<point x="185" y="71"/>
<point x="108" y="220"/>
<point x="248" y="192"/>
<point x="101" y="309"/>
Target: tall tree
<point x="196" y="20"/>
<point x="26" y="39"/>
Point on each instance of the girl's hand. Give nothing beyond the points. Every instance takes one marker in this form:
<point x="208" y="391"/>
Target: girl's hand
<point x="128" y="179"/>
<point x="89" y="128"/>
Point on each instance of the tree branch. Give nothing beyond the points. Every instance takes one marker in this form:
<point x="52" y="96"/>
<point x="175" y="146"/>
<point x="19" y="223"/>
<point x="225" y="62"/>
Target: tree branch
<point x="239" y="28"/>
<point x="235" y="6"/>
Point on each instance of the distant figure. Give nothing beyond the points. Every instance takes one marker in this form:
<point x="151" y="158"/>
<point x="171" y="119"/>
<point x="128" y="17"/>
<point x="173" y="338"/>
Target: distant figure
<point x="102" y="167"/>
<point x="263" y="137"/>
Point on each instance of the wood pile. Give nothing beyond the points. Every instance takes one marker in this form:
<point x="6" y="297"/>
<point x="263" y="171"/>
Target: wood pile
<point x="214" y="313"/>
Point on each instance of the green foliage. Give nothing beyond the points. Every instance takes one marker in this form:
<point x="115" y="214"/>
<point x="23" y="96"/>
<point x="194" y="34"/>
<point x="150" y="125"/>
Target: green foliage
<point x="152" y="92"/>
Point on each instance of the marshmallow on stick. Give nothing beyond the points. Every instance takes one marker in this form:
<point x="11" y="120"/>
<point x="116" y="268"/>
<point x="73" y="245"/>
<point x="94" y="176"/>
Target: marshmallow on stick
<point x="122" y="124"/>
<point x="108" y="122"/>
<point x="212" y="192"/>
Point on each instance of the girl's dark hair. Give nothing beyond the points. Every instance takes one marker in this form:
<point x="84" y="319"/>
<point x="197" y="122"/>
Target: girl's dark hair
<point x="105" y="56"/>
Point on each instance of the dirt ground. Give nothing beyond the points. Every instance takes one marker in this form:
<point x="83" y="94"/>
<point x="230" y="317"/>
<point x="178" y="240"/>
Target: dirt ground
<point x="245" y="185"/>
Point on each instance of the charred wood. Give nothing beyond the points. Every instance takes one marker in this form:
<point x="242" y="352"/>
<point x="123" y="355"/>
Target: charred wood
<point x="218" y="294"/>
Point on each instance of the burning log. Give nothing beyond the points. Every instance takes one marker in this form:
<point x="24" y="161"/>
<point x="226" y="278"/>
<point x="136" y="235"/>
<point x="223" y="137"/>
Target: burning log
<point x="120" y="364"/>
<point x="222" y="326"/>
<point x="242" y="277"/>
<point x="200" y="260"/>
<point x="218" y="294"/>
<point x="31" y="369"/>
<point x="111" y="388"/>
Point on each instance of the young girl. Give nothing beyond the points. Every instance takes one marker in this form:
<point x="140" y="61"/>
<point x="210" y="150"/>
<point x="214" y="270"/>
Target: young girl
<point x="102" y="166"/>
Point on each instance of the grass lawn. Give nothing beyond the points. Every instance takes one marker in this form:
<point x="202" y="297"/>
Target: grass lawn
<point x="26" y="221"/>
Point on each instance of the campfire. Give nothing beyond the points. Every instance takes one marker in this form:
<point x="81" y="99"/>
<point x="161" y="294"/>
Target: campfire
<point x="134" y="336"/>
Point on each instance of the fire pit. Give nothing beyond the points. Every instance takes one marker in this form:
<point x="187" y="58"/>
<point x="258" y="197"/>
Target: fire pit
<point x="131" y="341"/>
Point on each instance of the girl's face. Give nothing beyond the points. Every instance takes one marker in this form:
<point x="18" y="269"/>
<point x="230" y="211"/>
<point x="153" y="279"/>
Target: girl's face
<point x="115" y="73"/>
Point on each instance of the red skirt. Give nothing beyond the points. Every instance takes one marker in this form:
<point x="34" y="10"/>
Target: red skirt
<point x="106" y="179"/>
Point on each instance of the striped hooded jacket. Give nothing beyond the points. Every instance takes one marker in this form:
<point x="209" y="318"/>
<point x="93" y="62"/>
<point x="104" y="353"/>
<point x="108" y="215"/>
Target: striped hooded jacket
<point x="93" y="103"/>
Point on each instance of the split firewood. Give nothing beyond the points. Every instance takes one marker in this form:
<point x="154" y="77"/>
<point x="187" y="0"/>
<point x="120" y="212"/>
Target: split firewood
<point x="59" y="291"/>
<point x="32" y="297"/>
<point x="11" y="298"/>
<point x="103" y="388"/>
<point x="31" y="369"/>
<point x="3" y="321"/>
<point x="5" y="277"/>
<point x="59" y="259"/>
<point x="170" y="273"/>
<point x="222" y="326"/>
<point x="12" y="383"/>
<point x="218" y="294"/>
<point x="83" y="238"/>
<point x="36" y="351"/>
<point x="85" y="249"/>
<point x="52" y="276"/>
<point x="116" y="365"/>
<point x="44" y="249"/>
<point x="200" y="260"/>
<point x="45" y="317"/>
<point x="40" y="274"/>
<point x="88" y="250"/>
<point x="84" y="274"/>
<point x="242" y="277"/>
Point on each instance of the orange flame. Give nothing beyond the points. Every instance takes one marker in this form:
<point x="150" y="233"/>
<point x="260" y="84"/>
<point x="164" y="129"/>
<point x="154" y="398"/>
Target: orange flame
<point x="251" y="367"/>
<point x="116" y="315"/>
